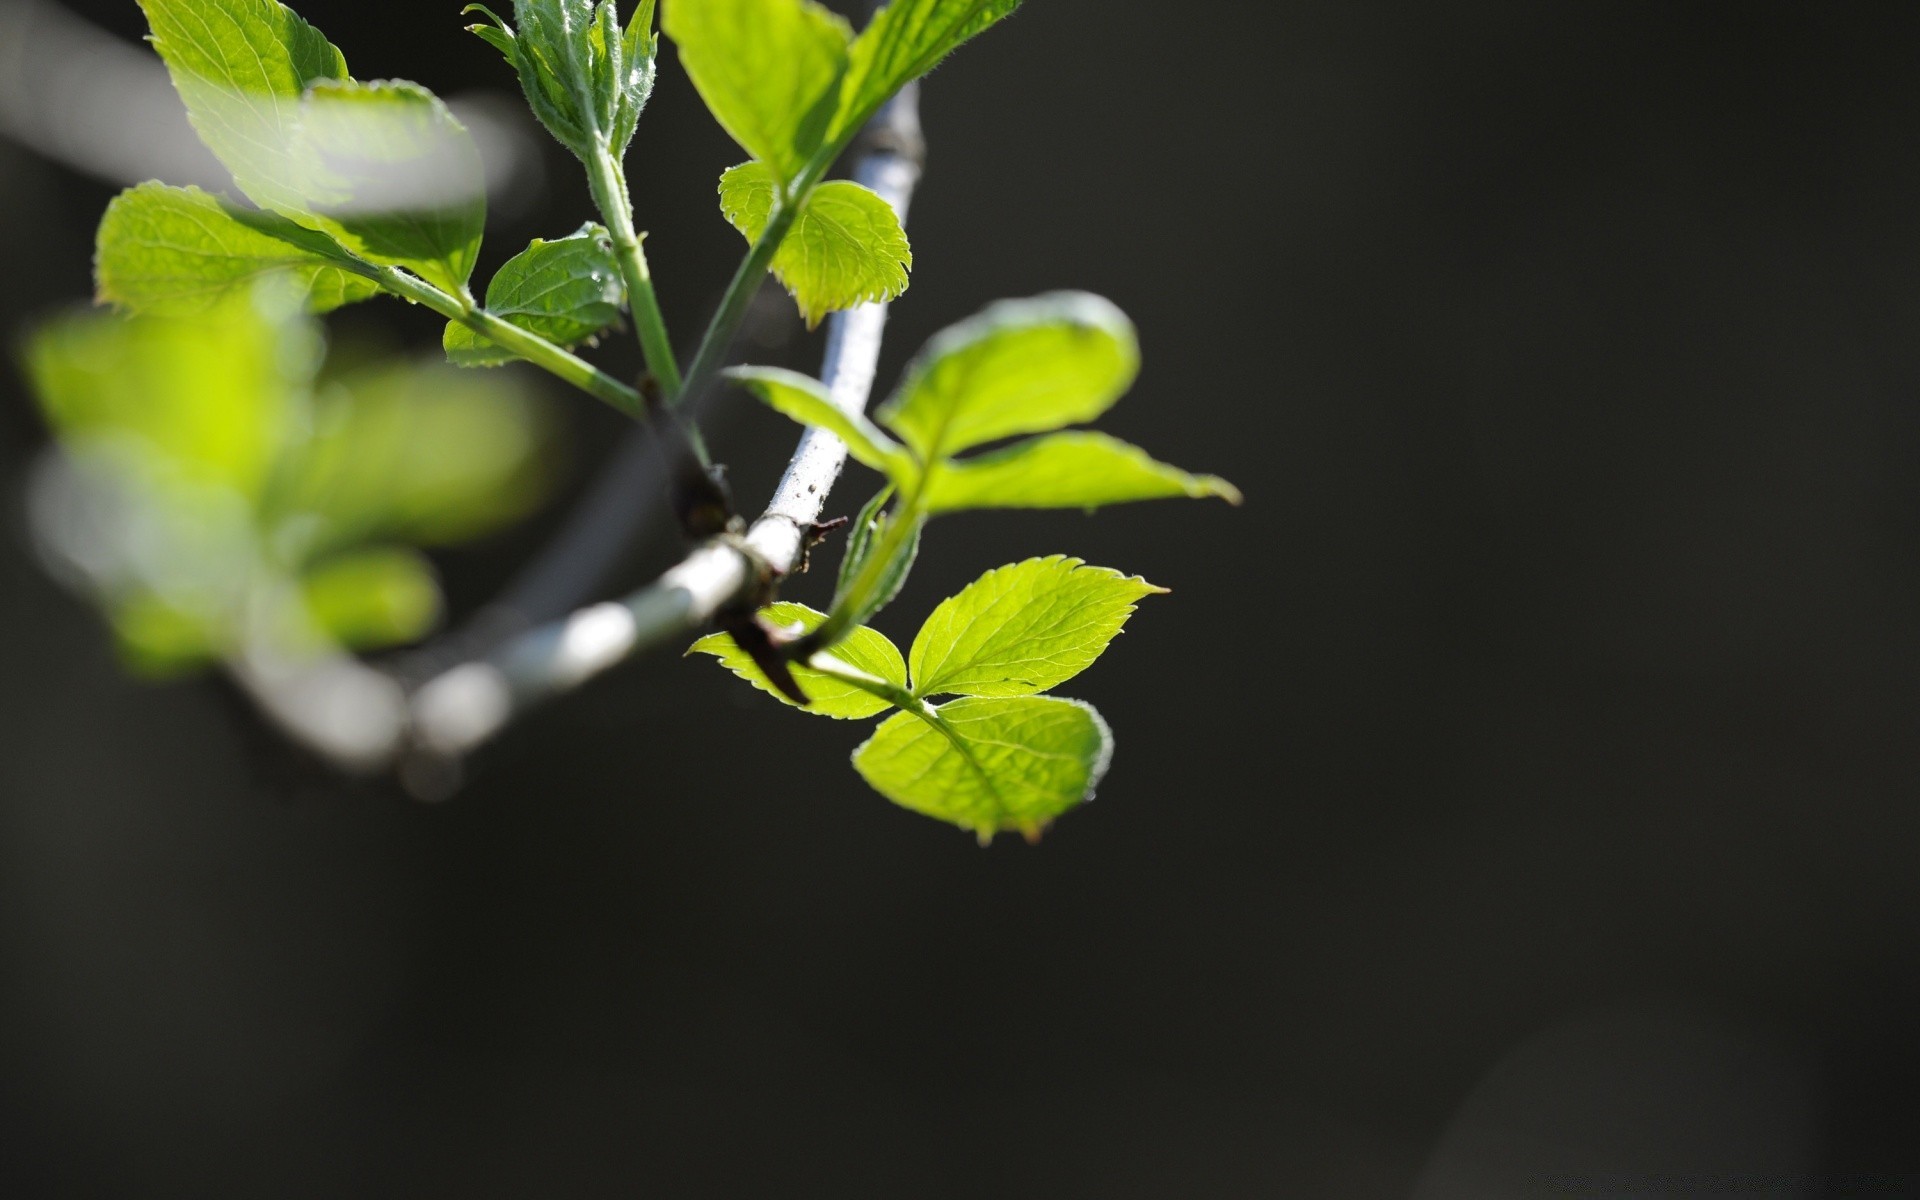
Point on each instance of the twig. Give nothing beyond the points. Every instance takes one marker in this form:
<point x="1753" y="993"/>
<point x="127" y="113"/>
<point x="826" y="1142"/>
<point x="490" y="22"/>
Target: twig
<point x="463" y="707"/>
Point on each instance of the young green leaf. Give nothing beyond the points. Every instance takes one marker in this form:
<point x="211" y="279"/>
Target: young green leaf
<point x="241" y="66"/>
<point x="1021" y="366"/>
<point x="1020" y="630"/>
<point x="846" y="247"/>
<point x="1065" y="470"/>
<point x="991" y="765"/>
<point x="904" y="41"/>
<point x="866" y="539"/>
<point x="567" y="291"/>
<point x="394" y="177"/>
<point x="769" y="71"/>
<point x="807" y="401"/>
<point x="179" y="252"/>
<point x="585" y="79"/>
<point x="372" y="599"/>
<point x="866" y="650"/>
<point x="159" y="641"/>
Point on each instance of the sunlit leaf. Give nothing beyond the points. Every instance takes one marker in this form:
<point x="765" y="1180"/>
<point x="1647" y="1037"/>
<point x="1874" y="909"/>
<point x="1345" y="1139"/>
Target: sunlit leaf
<point x="845" y="248"/>
<point x="997" y="765"/>
<point x="242" y="66"/>
<point x="567" y="291"/>
<point x="1066" y="470"/>
<point x="769" y="71"/>
<point x="866" y="650"/>
<point x="180" y="252"/>
<point x="807" y="401"/>
<point x="394" y="177"/>
<point x="1022" y="629"/>
<point x="1021" y="366"/>
<point x="904" y="41"/>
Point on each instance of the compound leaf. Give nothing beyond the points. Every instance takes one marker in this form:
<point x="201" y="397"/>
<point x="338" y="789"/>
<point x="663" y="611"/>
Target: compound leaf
<point x="241" y="66"/>
<point x="769" y="71"/>
<point x="866" y="649"/>
<point x="394" y="177"/>
<point x="807" y="401"/>
<point x="904" y="41"/>
<point x="990" y="765"/>
<point x="1065" y="470"/>
<point x="180" y="252"/>
<point x="845" y="248"/>
<point x="567" y="291"/>
<point x="1020" y="366"/>
<point x="1022" y="629"/>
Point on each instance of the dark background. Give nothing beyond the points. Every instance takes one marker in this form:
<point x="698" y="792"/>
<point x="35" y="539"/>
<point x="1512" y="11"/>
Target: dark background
<point x="1519" y="791"/>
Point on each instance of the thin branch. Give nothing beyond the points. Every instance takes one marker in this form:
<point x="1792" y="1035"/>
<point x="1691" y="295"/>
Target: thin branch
<point x="460" y="709"/>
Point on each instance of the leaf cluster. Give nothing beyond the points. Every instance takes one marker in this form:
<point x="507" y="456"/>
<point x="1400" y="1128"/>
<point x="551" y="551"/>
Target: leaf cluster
<point x="1000" y="755"/>
<point x="222" y="496"/>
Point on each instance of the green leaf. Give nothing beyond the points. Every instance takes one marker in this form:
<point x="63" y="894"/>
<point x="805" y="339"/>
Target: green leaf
<point x="372" y="599"/>
<point x="845" y="248"/>
<point x="769" y="70"/>
<point x="1023" y="629"/>
<point x="422" y="453"/>
<point x="904" y="41"/>
<point x="1065" y="470"/>
<point x="203" y="402"/>
<point x="807" y="401"/>
<point x="566" y="291"/>
<point x="991" y="765"/>
<point x="180" y="252"/>
<point x="241" y="66"/>
<point x="394" y="177"/>
<point x="863" y="540"/>
<point x="585" y="79"/>
<point x="866" y="649"/>
<point x="158" y="641"/>
<point x="1021" y="366"/>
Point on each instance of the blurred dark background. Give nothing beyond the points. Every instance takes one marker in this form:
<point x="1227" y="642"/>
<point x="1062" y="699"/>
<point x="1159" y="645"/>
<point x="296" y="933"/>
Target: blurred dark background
<point x="1518" y="793"/>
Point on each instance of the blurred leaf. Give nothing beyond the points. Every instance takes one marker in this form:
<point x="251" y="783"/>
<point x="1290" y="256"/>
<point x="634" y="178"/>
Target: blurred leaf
<point x="372" y="599"/>
<point x="904" y="41"/>
<point x="769" y="70"/>
<point x="1065" y="470"/>
<point x="1023" y="629"/>
<point x="566" y="291"/>
<point x="1021" y="366"/>
<point x="241" y="66"/>
<point x="991" y="764"/>
<point x="585" y="79"/>
<point x="864" y="649"/>
<point x="845" y="248"/>
<point x="180" y="252"/>
<point x="807" y="401"/>
<point x="394" y="177"/>
<point x="424" y="453"/>
<point x="159" y="641"/>
<point x="210" y="400"/>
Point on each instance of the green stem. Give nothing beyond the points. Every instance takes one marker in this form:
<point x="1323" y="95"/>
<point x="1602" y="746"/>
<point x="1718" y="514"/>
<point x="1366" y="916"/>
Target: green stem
<point x="532" y="347"/>
<point x="903" y="700"/>
<point x="616" y="208"/>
